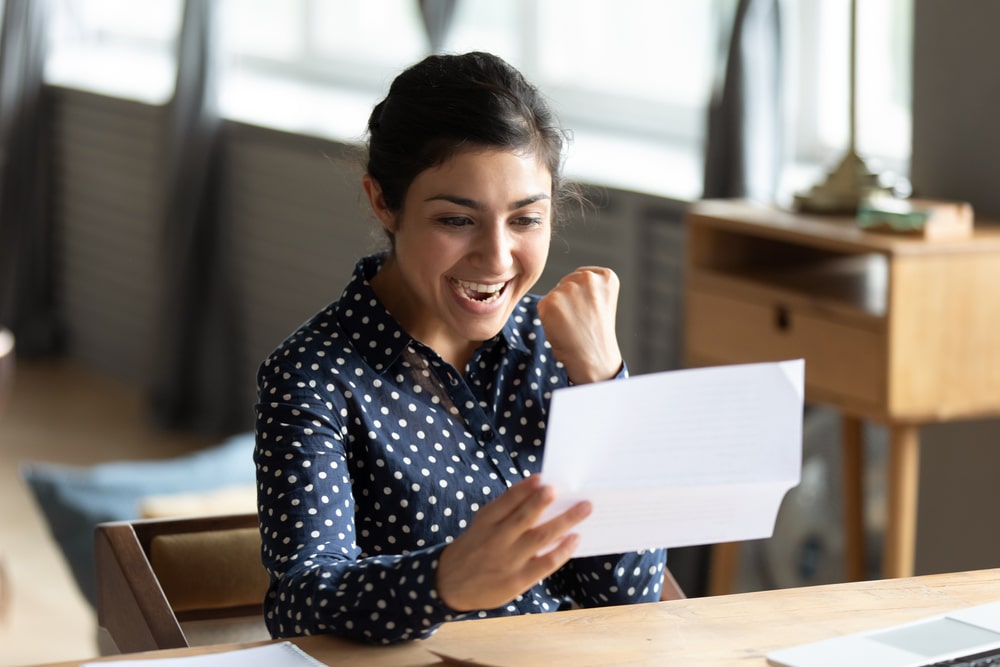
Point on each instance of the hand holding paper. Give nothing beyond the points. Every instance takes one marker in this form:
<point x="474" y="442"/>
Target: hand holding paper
<point x="687" y="457"/>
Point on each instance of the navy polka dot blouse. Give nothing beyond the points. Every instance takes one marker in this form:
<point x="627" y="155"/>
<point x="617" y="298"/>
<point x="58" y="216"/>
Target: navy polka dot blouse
<point x="373" y="454"/>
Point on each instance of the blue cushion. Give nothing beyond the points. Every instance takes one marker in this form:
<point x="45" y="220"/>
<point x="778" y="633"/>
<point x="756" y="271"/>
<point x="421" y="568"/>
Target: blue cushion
<point x="75" y="499"/>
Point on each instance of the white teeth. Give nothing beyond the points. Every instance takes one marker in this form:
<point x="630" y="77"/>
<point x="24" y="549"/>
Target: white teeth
<point x="479" y="292"/>
<point x="480" y="287"/>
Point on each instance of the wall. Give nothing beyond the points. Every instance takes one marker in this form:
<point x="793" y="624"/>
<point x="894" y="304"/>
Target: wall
<point x="956" y="90"/>
<point x="956" y="143"/>
<point x="108" y="197"/>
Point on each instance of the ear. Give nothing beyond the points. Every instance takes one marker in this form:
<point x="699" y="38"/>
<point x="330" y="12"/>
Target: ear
<point x="377" y="201"/>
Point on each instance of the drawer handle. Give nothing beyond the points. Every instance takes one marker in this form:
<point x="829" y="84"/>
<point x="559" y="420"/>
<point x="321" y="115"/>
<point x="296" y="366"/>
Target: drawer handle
<point x="782" y="319"/>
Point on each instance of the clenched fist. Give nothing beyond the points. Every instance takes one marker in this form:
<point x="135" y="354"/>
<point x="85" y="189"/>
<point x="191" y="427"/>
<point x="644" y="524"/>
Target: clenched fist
<point x="578" y="316"/>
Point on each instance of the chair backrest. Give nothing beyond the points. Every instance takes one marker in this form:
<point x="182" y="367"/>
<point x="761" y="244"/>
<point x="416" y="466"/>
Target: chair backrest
<point x="171" y="583"/>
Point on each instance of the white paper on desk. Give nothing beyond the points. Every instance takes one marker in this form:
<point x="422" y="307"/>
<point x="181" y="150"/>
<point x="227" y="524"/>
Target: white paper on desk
<point x="678" y="458"/>
<point x="280" y="654"/>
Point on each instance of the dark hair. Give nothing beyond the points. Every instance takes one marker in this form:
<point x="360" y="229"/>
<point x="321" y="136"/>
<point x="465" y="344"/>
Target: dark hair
<point x="448" y="103"/>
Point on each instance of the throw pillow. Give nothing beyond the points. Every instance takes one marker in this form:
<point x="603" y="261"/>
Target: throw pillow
<point x="75" y="499"/>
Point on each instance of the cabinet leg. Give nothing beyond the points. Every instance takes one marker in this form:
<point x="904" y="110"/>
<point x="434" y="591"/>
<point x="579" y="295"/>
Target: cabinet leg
<point x="723" y="563"/>
<point x="901" y="501"/>
<point x="853" y="494"/>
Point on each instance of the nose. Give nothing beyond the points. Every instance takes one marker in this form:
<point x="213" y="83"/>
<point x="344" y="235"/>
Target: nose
<point x="495" y="248"/>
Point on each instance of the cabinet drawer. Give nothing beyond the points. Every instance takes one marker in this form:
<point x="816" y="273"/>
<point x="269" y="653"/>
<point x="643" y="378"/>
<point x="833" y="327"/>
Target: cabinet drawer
<point x="844" y="361"/>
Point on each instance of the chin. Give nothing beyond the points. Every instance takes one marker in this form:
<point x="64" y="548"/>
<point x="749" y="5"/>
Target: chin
<point x="483" y="330"/>
<point x="481" y="334"/>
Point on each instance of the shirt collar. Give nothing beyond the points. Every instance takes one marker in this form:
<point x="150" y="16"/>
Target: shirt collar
<point x="511" y="332"/>
<point x="374" y="333"/>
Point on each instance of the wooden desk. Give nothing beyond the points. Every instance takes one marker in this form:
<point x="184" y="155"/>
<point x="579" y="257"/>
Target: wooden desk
<point x="709" y="631"/>
<point x="896" y="330"/>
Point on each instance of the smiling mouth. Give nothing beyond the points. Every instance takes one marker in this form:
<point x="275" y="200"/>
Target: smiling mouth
<point x="479" y="292"/>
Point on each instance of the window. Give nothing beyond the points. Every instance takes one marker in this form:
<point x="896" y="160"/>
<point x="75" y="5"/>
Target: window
<point x="619" y="72"/>
<point x="315" y="66"/>
<point x="604" y="63"/>
<point x="636" y="66"/>
<point x="631" y="78"/>
<point x="819" y="32"/>
<point x="119" y="47"/>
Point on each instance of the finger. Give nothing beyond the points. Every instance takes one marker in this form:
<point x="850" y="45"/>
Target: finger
<point x="547" y="562"/>
<point x="593" y="273"/>
<point x="510" y="501"/>
<point x="527" y="512"/>
<point x="585" y="283"/>
<point x="590" y="270"/>
<point x="530" y="511"/>
<point x="542" y="536"/>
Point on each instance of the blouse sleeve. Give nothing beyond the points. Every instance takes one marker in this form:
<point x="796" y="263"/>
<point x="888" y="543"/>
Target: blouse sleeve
<point x="604" y="581"/>
<point x="320" y="583"/>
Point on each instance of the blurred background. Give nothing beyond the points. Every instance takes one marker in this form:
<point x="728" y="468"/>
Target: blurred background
<point x="179" y="189"/>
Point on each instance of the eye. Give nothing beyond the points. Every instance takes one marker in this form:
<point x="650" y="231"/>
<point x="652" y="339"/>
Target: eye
<point x="527" y="221"/>
<point x="455" y="221"/>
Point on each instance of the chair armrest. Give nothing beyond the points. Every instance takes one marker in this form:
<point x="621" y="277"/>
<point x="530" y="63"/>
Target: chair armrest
<point x="131" y="605"/>
<point x="670" y="589"/>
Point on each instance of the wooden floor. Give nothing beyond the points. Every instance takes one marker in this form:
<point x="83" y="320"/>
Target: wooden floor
<point x="61" y="413"/>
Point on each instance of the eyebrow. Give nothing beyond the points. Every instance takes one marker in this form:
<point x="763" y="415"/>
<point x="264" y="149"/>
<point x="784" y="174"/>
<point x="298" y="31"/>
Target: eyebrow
<point x="473" y="204"/>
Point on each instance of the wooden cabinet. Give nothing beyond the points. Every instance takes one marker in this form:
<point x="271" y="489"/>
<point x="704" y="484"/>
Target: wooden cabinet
<point x="897" y="330"/>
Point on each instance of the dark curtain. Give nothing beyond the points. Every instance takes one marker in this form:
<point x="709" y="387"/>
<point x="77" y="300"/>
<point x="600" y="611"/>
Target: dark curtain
<point x="197" y="378"/>
<point x="743" y="152"/>
<point x="27" y="294"/>
<point x="437" y="16"/>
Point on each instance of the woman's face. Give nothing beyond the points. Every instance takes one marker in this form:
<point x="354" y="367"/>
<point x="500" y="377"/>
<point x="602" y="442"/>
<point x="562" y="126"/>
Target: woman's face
<point x="471" y="240"/>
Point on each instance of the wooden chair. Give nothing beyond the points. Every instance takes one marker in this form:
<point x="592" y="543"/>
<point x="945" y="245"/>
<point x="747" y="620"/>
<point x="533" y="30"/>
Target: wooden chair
<point x="171" y="583"/>
<point x="6" y="381"/>
<point x="6" y="365"/>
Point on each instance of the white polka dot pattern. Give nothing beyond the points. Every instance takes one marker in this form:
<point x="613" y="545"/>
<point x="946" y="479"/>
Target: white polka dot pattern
<point x="371" y="457"/>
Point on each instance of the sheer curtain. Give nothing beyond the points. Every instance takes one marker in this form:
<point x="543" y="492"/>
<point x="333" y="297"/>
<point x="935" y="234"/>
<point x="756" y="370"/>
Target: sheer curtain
<point x="27" y="295"/>
<point x="743" y="152"/>
<point x="197" y="369"/>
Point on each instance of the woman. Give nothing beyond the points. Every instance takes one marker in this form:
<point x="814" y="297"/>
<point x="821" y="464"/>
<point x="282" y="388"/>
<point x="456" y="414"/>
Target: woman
<point x="400" y="430"/>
